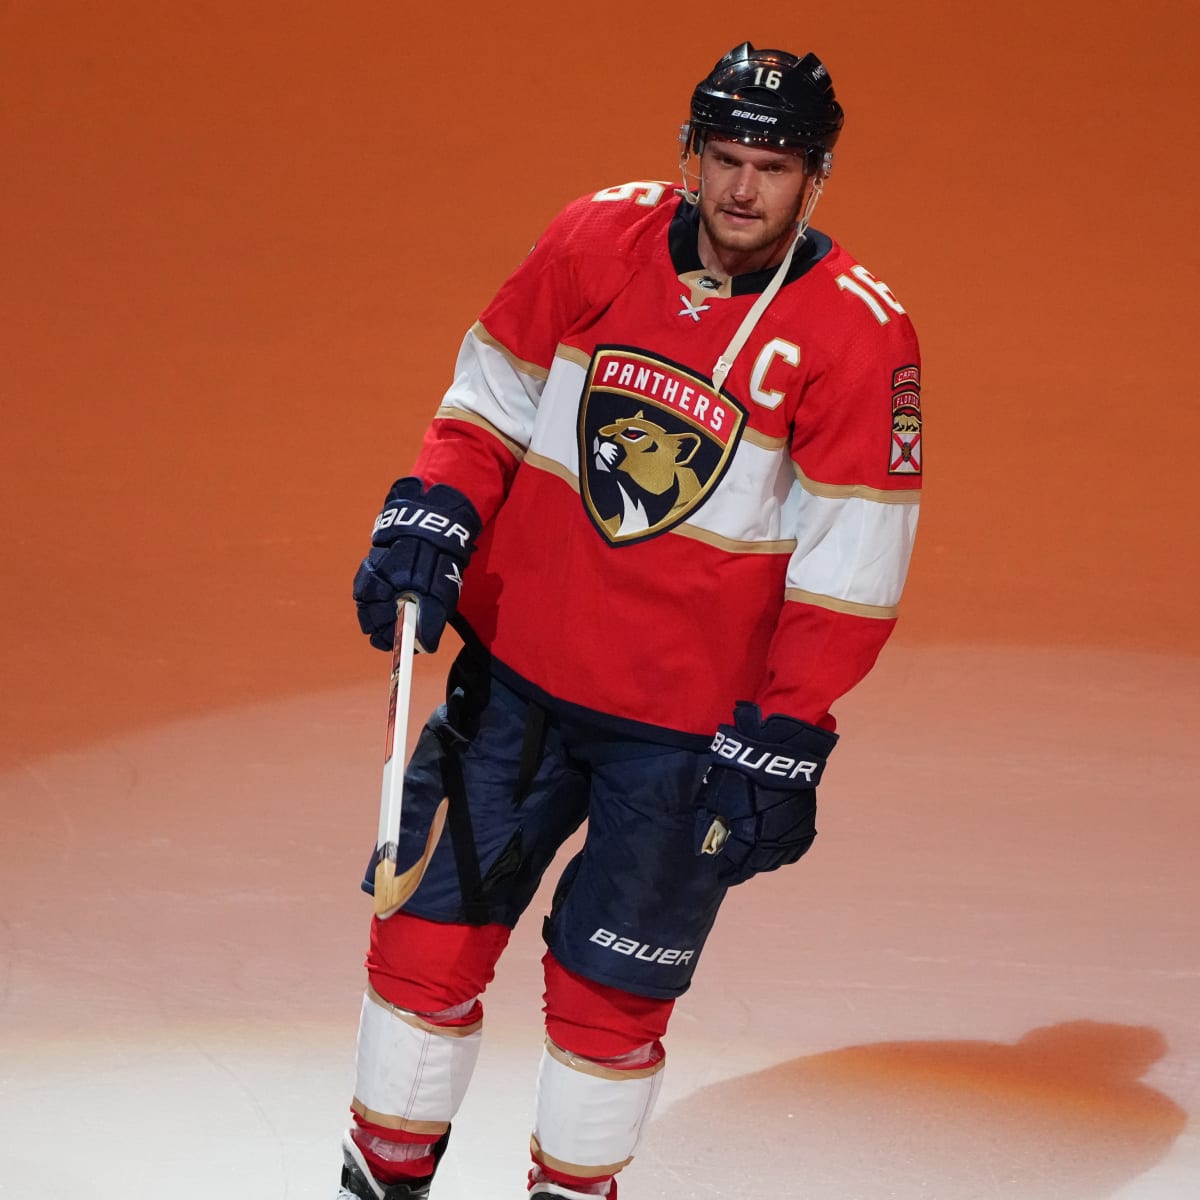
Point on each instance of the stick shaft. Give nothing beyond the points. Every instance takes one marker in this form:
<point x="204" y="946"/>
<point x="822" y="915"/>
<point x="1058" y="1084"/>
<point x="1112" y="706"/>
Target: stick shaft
<point x="392" y="886"/>
<point x="396" y="750"/>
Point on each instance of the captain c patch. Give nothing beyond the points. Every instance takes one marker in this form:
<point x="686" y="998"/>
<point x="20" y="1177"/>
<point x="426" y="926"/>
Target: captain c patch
<point x="904" y="457"/>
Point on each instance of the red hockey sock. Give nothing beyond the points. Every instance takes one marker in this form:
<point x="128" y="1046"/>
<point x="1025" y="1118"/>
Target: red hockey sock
<point x="577" y="1183"/>
<point x="394" y="1154"/>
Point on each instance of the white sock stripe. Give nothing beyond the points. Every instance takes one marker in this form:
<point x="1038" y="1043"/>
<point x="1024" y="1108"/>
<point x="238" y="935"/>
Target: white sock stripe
<point x="589" y="1121"/>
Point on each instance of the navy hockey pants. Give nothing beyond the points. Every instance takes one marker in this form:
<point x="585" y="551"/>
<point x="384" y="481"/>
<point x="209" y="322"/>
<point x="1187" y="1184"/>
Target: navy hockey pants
<point x="633" y="907"/>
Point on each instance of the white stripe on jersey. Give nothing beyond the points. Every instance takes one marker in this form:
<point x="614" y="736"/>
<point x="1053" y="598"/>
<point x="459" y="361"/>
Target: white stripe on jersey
<point x="849" y="548"/>
<point x="854" y="544"/>
<point x="748" y="504"/>
<point x="493" y="386"/>
<point x="555" y="436"/>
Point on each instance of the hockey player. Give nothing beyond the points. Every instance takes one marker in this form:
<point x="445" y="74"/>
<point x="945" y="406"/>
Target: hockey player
<point x="668" y="501"/>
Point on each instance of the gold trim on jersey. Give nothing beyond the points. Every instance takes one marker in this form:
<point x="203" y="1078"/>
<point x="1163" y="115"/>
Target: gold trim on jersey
<point x="763" y="441"/>
<point x="572" y="355"/>
<point x="450" y="412"/>
<point x="553" y="467"/>
<point x="852" y="491"/>
<point x="877" y="612"/>
<point x="732" y="545"/>
<point x="479" y="330"/>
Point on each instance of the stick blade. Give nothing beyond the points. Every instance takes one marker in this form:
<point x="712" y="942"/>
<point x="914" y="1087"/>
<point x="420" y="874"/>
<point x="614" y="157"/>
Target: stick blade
<point x="392" y="891"/>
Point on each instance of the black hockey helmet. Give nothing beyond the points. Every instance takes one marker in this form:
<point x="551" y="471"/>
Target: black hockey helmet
<point x="767" y="98"/>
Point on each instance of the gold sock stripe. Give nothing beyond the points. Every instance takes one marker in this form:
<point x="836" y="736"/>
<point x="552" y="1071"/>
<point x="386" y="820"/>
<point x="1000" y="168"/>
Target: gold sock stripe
<point x="589" y="1066"/>
<point x="387" y="1121"/>
<point x="569" y="1168"/>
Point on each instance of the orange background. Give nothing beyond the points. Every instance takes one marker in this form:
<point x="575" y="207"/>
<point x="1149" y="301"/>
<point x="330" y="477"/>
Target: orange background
<point x="240" y="244"/>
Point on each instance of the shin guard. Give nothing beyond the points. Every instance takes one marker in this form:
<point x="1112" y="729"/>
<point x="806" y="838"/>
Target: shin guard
<point x="590" y="1113"/>
<point x="412" y="1073"/>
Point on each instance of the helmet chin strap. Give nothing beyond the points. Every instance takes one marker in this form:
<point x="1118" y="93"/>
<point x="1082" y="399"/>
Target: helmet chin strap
<point x="724" y="363"/>
<point x="692" y="196"/>
<point x="728" y="357"/>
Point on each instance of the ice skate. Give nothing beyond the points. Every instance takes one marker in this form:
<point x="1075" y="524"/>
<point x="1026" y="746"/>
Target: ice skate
<point x="359" y="1184"/>
<point x="558" y="1191"/>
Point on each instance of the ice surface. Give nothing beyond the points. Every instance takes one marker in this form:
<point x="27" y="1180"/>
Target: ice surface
<point x="983" y="982"/>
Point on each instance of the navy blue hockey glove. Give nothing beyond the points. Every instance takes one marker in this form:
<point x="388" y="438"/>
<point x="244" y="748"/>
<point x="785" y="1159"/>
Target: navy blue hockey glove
<point x="421" y="544"/>
<point x="757" y="807"/>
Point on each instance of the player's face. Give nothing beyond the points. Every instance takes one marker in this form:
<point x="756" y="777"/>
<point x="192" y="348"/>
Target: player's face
<point x="750" y="200"/>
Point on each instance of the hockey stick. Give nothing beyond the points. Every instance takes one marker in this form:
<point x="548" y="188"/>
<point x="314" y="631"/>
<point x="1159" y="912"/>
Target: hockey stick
<point x="392" y="890"/>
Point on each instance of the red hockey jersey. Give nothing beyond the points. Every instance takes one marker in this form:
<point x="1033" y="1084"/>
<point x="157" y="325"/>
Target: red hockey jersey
<point x="656" y="548"/>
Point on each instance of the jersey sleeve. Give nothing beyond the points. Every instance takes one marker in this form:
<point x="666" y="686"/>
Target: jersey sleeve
<point x="853" y="507"/>
<point x="483" y="427"/>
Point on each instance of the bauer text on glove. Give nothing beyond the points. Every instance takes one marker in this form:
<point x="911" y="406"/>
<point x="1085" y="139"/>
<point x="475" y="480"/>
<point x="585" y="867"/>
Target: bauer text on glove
<point x="420" y="546"/>
<point x="757" y="807"/>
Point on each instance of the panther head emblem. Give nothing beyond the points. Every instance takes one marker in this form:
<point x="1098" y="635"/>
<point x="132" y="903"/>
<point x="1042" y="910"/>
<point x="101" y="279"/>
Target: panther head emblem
<point x="654" y="440"/>
<point x="651" y="464"/>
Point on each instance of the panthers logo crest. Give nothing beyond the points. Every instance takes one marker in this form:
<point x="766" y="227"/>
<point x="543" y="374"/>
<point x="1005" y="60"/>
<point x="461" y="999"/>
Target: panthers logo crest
<point x="654" y="441"/>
